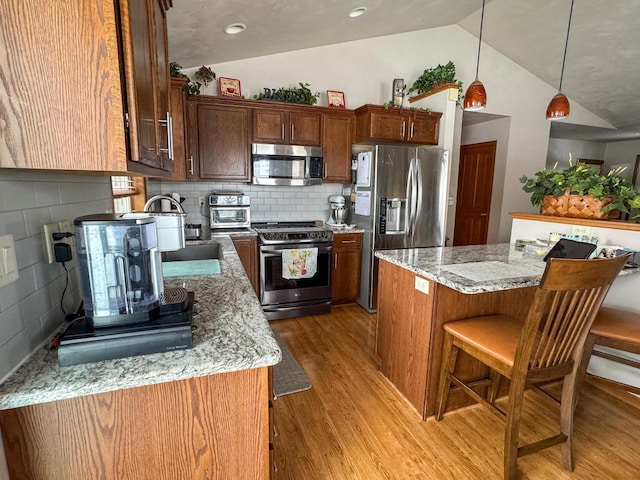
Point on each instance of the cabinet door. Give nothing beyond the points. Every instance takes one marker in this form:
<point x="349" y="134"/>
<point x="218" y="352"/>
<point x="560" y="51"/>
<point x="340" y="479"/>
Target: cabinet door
<point x="304" y="128"/>
<point x="247" y="248"/>
<point x="337" y="138"/>
<point x="147" y="79"/>
<point x="423" y="129"/>
<point x="177" y="108"/>
<point x="388" y="126"/>
<point x="223" y="142"/>
<point x="347" y="255"/>
<point x="269" y="126"/>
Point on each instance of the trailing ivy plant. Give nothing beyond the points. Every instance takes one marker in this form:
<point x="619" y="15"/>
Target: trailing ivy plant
<point x="291" y="95"/>
<point x="433" y="77"/>
<point x="175" y="70"/>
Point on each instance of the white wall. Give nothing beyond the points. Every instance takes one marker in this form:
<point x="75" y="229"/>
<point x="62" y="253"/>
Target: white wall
<point x="364" y="71"/>
<point x="624" y="154"/>
<point x="30" y="308"/>
<point x="497" y="130"/>
<point x="559" y="150"/>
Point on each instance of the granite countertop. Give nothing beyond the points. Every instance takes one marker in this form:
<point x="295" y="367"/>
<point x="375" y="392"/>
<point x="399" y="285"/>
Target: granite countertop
<point x="475" y="268"/>
<point x="231" y="333"/>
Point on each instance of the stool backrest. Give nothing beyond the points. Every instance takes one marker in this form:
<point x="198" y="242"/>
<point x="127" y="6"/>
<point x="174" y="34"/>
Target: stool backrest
<point x="565" y="304"/>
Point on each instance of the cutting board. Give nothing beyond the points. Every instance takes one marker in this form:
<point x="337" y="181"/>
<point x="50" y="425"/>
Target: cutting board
<point x="191" y="267"/>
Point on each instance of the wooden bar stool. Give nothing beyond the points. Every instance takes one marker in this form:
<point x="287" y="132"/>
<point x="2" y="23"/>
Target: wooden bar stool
<point x="614" y="328"/>
<point x="546" y="345"/>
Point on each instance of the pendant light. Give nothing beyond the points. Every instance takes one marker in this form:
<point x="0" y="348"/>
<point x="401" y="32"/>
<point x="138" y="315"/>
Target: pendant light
<point x="475" y="98"/>
<point x="559" y="106"/>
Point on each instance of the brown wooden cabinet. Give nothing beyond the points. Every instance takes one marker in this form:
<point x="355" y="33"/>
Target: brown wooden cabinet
<point x="347" y="255"/>
<point x="177" y="108"/>
<point x="213" y="427"/>
<point x="375" y="123"/>
<point x="287" y="125"/>
<point x="338" y="129"/>
<point x="247" y="248"/>
<point x="219" y="139"/>
<point x="110" y="114"/>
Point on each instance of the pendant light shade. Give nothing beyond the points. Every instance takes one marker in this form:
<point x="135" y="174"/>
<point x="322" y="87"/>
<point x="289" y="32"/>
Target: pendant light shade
<point x="475" y="97"/>
<point x="559" y="106"/>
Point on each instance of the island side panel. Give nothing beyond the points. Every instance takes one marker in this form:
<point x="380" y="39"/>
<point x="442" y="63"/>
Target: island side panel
<point x="453" y="305"/>
<point x="213" y="427"/>
<point x="403" y="332"/>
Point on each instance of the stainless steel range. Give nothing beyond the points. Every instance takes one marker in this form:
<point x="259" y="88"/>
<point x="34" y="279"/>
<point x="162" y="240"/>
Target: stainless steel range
<point x="295" y="268"/>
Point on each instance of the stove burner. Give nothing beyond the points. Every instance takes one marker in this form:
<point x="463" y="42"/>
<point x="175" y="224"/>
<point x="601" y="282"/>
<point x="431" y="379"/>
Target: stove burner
<point x="292" y="232"/>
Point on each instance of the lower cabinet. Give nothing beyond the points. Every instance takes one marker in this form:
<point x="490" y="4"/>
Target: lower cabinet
<point x="247" y="248"/>
<point x="347" y="255"/>
<point x="214" y="427"/>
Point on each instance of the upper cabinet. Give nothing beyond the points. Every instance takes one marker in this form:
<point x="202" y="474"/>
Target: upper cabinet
<point x="338" y="128"/>
<point x="287" y="126"/>
<point x="219" y="139"/>
<point x="375" y="123"/>
<point x="86" y="93"/>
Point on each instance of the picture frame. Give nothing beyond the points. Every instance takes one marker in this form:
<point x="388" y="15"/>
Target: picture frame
<point x="335" y="99"/>
<point x="229" y="87"/>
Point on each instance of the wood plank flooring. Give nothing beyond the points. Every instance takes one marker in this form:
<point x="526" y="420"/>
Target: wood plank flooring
<point x="352" y="424"/>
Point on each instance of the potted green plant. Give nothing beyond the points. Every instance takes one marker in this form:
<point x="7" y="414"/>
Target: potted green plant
<point x="434" y="77"/>
<point x="581" y="191"/>
<point x="301" y="95"/>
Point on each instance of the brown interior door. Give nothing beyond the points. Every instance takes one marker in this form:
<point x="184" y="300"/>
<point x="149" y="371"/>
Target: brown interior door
<point x="475" y="181"/>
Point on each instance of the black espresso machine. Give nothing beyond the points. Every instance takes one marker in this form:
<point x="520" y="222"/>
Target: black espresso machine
<point x="127" y="311"/>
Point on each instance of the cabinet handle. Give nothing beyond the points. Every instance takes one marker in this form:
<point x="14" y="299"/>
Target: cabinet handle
<point x="168" y="123"/>
<point x="191" y="165"/>
<point x="404" y="128"/>
<point x="335" y="260"/>
<point x="292" y="134"/>
<point x="411" y="130"/>
<point x="282" y="134"/>
<point x="344" y="242"/>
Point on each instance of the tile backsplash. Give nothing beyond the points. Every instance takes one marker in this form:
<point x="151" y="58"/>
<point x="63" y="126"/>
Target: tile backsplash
<point x="267" y="202"/>
<point x="30" y="308"/>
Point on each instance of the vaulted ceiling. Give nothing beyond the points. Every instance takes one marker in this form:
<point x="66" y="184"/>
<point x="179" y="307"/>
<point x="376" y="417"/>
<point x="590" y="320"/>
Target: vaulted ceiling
<point x="602" y="70"/>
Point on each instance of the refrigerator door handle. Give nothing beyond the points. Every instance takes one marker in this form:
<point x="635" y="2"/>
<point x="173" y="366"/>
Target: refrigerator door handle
<point x="409" y="197"/>
<point x="418" y="194"/>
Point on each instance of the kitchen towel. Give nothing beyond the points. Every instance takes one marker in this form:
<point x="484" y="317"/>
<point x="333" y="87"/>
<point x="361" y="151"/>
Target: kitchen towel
<point x="299" y="263"/>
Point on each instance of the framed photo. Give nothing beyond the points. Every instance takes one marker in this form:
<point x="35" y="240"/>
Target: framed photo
<point x="335" y="99"/>
<point x="229" y="87"/>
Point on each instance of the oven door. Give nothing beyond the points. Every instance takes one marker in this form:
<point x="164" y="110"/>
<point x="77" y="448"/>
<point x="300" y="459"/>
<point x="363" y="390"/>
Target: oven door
<point x="277" y="290"/>
<point x="230" y="217"/>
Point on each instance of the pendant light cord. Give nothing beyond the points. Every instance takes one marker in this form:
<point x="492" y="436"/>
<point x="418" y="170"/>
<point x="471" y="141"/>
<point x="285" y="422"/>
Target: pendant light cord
<point x="566" y="43"/>
<point x="480" y="38"/>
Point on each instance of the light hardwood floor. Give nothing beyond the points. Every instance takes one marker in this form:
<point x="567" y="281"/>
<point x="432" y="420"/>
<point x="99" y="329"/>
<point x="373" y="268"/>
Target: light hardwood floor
<point x="352" y="424"/>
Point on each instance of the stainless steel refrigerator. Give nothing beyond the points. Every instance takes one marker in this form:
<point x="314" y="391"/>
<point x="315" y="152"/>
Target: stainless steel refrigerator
<point x="401" y="202"/>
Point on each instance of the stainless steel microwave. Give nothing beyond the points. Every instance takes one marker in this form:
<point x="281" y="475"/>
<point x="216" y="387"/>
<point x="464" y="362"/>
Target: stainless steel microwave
<point x="286" y="164"/>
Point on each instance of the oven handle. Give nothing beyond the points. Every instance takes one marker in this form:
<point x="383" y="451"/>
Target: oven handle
<point x="277" y="251"/>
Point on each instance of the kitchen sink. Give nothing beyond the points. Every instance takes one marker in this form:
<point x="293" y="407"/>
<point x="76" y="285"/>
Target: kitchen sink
<point x="194" y="252"/>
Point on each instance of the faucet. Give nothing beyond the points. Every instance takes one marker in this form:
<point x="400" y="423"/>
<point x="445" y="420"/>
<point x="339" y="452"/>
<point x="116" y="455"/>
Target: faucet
<point x="155" y="198"/>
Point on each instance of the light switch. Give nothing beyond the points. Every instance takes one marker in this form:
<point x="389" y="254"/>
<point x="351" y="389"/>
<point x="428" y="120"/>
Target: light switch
<point x="8" y="264"/>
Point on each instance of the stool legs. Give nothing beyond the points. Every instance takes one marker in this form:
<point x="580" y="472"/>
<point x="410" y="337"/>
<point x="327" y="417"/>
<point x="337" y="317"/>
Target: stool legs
<point x="449" y="357"/>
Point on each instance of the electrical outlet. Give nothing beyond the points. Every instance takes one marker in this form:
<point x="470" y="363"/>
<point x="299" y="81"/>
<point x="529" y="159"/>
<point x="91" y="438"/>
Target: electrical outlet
<point x="422" y="285"/>
<point x="49" y="230"/>
<point x="580" y="231"/>
<point x="201" y="201"/>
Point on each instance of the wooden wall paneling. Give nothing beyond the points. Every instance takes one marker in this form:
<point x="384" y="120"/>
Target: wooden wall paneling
<point x="213" y="427"/>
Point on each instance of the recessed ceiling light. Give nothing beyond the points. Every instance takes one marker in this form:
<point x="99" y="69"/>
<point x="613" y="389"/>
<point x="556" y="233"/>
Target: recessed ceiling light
<point x="356" y="12"/>
<point x="234" y="28"/>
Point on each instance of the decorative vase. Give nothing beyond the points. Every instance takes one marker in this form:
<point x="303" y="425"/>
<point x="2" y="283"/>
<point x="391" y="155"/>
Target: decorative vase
<point x="578" y="206"/>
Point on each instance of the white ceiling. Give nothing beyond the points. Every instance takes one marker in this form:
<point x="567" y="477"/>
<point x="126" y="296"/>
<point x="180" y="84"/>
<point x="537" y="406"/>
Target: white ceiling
<point x="602" y="71"/>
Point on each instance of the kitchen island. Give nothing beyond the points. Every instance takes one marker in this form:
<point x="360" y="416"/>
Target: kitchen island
<point x="421" y="289"/>
<point x="197" y="413"/>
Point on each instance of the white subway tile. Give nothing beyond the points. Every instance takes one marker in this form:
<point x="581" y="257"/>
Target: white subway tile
<point x="18" y="195"/>
<point x="10" y="323"/>
<point x="21" y="346"/>
<point x="5" y="366"/>
<point x="13" y="223"/>
<point x="29" y="251"/>
<point x="47" y="193"/>
<point x="35" y="218"/>
<point x="34" y="306"/>
<point x="16" y="291"/>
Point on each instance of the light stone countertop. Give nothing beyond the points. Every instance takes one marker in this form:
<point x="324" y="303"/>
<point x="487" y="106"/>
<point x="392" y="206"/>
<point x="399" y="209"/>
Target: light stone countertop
<point x="475" y="268"/>
<point x="231" y="333"/>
